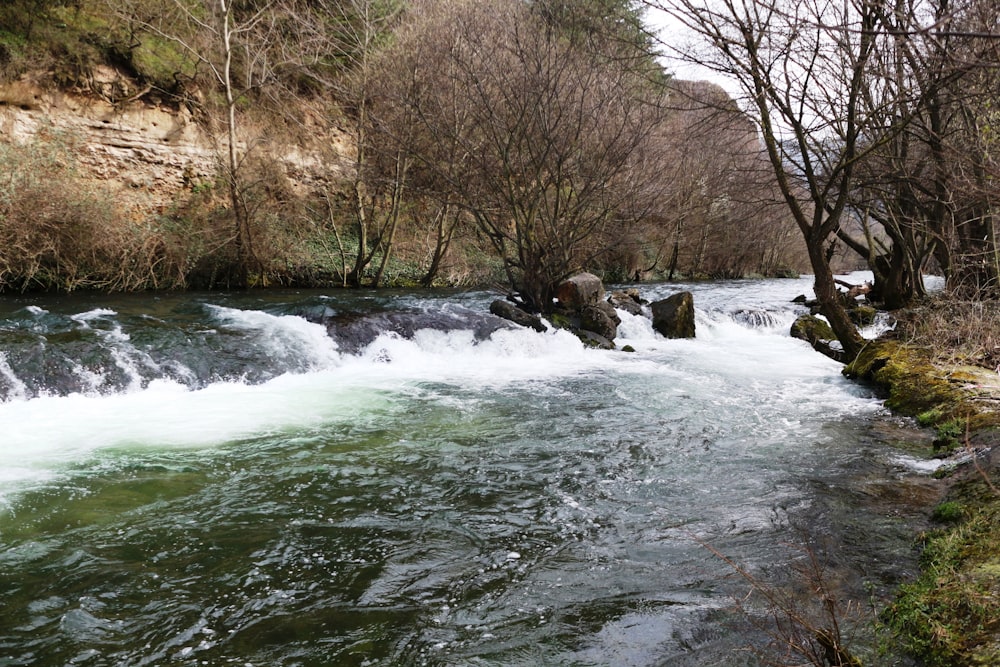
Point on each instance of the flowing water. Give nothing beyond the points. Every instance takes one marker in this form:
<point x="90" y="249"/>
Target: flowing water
<point x="398" y="478"/>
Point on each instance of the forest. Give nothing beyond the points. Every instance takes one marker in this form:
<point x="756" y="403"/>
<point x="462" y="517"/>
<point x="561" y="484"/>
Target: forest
<point x="516" y="143"/>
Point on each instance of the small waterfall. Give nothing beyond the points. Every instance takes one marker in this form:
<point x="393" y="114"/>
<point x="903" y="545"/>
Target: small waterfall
<point x="11" y="386"/>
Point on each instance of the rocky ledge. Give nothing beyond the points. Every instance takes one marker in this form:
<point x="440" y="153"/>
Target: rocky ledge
<point x="581" y="307"/>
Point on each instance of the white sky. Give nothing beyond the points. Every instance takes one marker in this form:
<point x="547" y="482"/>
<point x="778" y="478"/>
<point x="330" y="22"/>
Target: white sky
<point x="674" y="33"/>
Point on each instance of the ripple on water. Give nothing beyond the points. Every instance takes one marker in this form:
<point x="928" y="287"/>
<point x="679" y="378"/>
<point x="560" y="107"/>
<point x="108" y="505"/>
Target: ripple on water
<point x="514" y="500"/>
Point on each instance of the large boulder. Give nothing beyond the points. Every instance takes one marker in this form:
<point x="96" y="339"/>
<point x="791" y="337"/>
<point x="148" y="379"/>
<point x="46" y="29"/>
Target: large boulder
<point x="601" y="319"/>
<point x="583" y="310"/>
<point x="509" y="311"/>
<point x="673" y="317"/>
<point x="583" y="289"/>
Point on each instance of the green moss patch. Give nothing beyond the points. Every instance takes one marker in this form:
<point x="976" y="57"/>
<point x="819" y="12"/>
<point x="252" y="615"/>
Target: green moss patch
<point x="953" y="396"/>
<point x="950" y="616"/>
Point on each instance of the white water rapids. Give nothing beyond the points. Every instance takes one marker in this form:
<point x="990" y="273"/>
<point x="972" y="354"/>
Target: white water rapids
<point x="227" y="480"/>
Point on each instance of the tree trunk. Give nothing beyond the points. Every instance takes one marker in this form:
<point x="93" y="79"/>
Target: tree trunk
<point x="832" y="305"/>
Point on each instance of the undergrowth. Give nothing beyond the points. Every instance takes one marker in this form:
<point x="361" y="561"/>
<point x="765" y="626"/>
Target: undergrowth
<point x="956" y="331"/>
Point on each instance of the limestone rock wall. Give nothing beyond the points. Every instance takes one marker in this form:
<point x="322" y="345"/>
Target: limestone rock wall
<point x="150" y="150"/>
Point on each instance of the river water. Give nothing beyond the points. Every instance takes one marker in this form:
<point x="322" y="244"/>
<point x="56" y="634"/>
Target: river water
<point x="398" y="478"/>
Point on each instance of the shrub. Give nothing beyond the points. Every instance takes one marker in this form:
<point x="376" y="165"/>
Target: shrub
<point x="59" y="232"/>
<point x="960" y="331"/>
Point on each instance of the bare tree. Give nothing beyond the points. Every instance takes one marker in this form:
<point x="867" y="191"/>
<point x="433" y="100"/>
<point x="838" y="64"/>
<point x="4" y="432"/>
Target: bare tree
<point x="801" y="66"/>
<point x="348" y="35"/>
<point x="535" y="140"/>
<point x="246" y="47"/>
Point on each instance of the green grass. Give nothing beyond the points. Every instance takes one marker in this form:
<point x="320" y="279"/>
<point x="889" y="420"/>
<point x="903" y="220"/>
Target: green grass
<point x="950" y="616"/>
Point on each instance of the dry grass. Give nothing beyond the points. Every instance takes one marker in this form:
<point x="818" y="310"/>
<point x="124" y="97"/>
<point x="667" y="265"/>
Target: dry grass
<point x="957" y="331"/>
<point x="59" y="232"/>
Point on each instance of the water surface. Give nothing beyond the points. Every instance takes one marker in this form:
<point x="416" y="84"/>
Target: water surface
<point x="397" y="478"/>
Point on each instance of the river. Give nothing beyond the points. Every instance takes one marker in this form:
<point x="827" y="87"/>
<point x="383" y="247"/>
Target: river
<point x="396" y="478"/>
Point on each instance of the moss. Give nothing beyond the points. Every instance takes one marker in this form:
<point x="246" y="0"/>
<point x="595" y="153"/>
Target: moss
<point x="951" y="434"/>
<point x="863" y="315"/>
<point x="811" y="328"/>
<point x="930" y="417"/>
<point x="949" y="511"/>
<point x="912" y="383"/>
<point x="951" y="614"/>
<point x="560" y="320"/>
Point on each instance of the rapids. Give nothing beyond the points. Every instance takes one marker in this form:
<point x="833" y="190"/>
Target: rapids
<point x="398" y="478"/>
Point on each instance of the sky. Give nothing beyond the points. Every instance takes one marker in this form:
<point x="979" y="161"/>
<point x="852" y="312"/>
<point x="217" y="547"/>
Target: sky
<point x="673" y="32"/>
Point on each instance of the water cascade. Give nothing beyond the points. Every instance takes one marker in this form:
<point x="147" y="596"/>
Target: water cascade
<point x="398" y="478"/>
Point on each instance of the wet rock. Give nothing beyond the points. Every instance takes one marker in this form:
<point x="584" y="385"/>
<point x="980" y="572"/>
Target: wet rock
<point x="755" y="318"/>
<point x="601" y="319"/>
<point x="591" y="339"/>
<point x="583" y="289"/>
<point x="818" y="333"/>
<point x="353" y="331"/>
<point x="627" y="300"/>
<point x="510" y="312"/>
<point x="583" y="310"/>
<point x="673" y="317"/>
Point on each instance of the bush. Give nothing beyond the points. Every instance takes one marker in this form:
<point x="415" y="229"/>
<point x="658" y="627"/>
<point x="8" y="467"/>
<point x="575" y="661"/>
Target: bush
<point x="960" y="331"/>
<point x="57" y="232"/>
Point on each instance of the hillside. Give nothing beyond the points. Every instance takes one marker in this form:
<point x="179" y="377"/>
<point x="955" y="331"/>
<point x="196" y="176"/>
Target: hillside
<point x="161" y="167"/>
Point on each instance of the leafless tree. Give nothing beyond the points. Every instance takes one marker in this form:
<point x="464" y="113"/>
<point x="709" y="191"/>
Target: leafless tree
<point x="245" y="46"/>
<point x="348" y="35"/>
<point x="537" y="141"/>
<point x="801" y="66"/>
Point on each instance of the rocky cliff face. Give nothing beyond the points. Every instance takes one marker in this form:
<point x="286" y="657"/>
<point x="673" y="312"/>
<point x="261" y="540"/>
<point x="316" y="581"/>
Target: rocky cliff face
<point x="151" y="150"/>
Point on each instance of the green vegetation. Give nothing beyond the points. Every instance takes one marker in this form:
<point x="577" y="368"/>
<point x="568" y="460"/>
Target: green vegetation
<point x="950" y="616"/>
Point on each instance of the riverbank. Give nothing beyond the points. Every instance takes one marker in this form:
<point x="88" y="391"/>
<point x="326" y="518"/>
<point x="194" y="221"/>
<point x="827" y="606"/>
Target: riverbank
<point x="950" y="615"/>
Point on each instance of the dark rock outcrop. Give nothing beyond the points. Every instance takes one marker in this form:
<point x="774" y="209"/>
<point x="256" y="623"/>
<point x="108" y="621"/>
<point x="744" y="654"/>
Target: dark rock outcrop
<point x="673" y="317"/>
<point x="509" y="311"/>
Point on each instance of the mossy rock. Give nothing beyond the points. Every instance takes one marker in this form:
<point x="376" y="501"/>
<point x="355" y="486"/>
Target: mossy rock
<point x="811" y="328"/>
<point x="912" y="383"/>
<point x="817" y="332"/>
<point x="863" y="315"/>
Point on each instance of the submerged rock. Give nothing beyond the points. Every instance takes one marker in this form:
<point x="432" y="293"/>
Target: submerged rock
<point x="673" y="317"/>
<point x="353" y="331"/>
